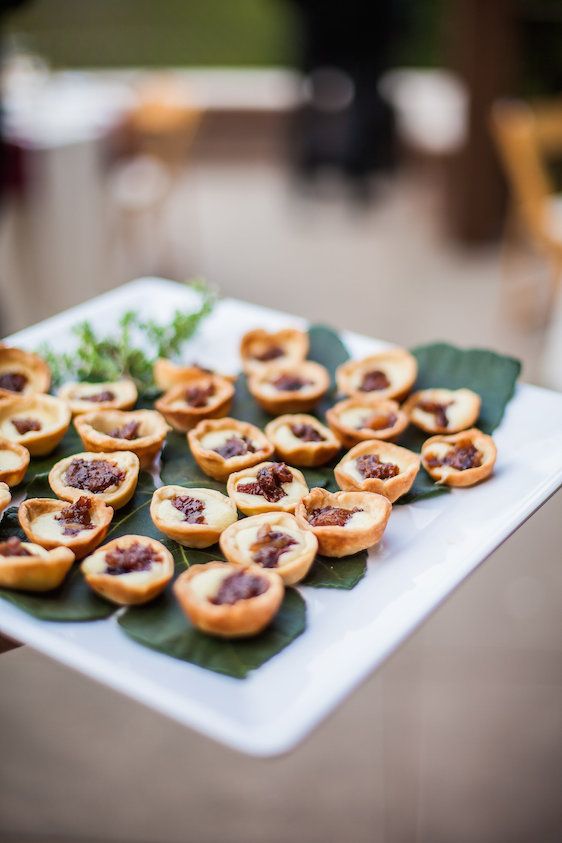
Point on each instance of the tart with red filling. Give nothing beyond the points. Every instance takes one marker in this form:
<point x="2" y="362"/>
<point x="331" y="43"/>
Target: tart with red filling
<point x="360" y="418"/>
<point x="130" y="570"/>
<point x="201" y="396"/>
<point x="111" y="478"/>
<point x="302" y="440"/>
<point x="36" y="421"/>
<point x="22" y="373"/>
<point x="80" y="526"/>
<point x="266" y="487"/>
<point x="274" y="541"/>
<point x="343" y="522"/>
<point x="289" y="388"/>
<point x="443" y="410"/>
<point x="388" y="374"/>
<point x="25" y="566"/>
<point x="141" y="431"/>
<point x="86" y="397"/>
<point x="463" y="459"/>
<point x="192" y="517"/>
<point x="223" y="446"/>
<point x="380" y="467"/>
<point x="259" y="348"/>
<point x="227" y="600"/>
<point x="14" y="460"/>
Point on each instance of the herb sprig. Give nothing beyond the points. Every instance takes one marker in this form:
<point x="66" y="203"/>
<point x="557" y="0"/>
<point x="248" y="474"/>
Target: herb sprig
<point x="132" y="350"/>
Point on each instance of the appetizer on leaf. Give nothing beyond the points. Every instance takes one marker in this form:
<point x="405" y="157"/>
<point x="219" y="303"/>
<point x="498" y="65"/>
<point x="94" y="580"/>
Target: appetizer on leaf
<point x="111" y="478"/>
<point x="227" y="600"/>
<point x="38" y="422"/>
<point x="201" y="396"/>
<point x="302" y="440"/>
<point x="443" y="410"/>
<point x="14" y="460"/>
<point x="168" y="374"/>
<point x="80" y="526"/>
<point x="365" y="417"/>
<point x="223" y="446"/>
<point x="141" y="431"/>
<point x="192" y="517"/>
<point x="379" y="467"/>
<point x="29" y="567"/>
<point x="289" y="388"/>
<point x="266" y="487"/>
<point x="389" y="374"/>
<point x="259" y="348"/>
<point x="462" y="459"/>
<point x="91" y="397"/>
<point x="22" y="373"/>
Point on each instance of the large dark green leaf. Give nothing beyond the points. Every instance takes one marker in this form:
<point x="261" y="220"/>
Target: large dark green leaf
<point x="162" y="626"/>
<point x="70" y="444"/>
<point x="245" y="408"/>
<point x="72" y="601"/>
<point x="342" y="573"/>
<point x="327" y="348"/>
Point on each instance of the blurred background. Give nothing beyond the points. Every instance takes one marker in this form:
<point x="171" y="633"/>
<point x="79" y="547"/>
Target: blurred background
<point x="389" y="166"/>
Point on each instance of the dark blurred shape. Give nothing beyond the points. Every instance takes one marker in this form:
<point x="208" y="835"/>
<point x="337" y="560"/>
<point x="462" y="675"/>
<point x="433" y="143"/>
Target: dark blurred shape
<point x="9" y="163"/>
<point x="344" y="50"/>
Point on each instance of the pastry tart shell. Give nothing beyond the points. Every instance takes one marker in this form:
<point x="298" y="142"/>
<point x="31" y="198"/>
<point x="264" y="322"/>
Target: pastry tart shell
<point x="350" y="436"/>
<point x="5" y="497"/>
<point x="81" y="544"/>
<point x="343" y="541"/>
<point x="394" y="487"/>
<point x="116" y="498"/>
<point x="26" y="363"/>
<point x="116" y="588"/>
<point x="238" y="620"/>
<point x="216" y="466"/>
<point x="399" y="365"/>
<point x="39" y="443"/>
<point x="184" y="417"/>
<point x="306" y="454"/>
<point x="14" y="475"/>
<point x="449" y="476"/>
<point x="38" y="572"/>
<point x="294" y="343"/>
<point x="146" y="447"/>
<point x="125" y="396"/>
<point x="168" y="374"/>
<point x="277" y="402"/>
<point x="429" y="424"/>
<point x="186" y="534"/>
<point x="256" y="504"/>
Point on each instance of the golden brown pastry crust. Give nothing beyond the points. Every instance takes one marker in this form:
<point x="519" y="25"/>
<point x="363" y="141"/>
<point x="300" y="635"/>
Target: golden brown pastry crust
<point x="39" y="443"/>
<point x="117" y="588"/>
<point x="276" y="401"/>
<point x="117" y="497"/>
<point x="124" y="390"/>
<point x="449" y="476"/>
<point x="14" y="476"/>
<point x="238" y="620"/>
<point x="181" y="415"/>
<point x="299" y="452"/>
<point x="429" y="423"/>
<point x="377" y="408"/>
<point x="343" y="541"/>
<point x="81" y="544"/>
<point x="394" y="487"/>
<point x="5" y="497"/>
<point x="193" y="535"/>
<point x="294" y="343"/>
<point x="399" y="366"/>
<point x="256" y="504"/>
<point x="168" y="374"/>
<point x="212" y="463"/>
<point x="18" y="361"/>
<point x="93" y="429"/>
<point x="42" y="571"/>
<point x="290" y="572"/>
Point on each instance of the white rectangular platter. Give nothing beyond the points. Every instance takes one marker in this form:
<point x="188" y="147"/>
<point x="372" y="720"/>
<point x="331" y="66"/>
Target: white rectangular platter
<point x="428" y="549"/>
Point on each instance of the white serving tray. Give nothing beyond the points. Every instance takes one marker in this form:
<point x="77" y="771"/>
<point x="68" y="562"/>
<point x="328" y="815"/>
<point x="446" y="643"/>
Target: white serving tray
<point x="428" y="549"/>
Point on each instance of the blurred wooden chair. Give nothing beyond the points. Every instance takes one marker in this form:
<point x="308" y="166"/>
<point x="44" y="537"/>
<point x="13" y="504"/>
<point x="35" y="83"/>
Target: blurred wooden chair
<point x="527" y="137"/>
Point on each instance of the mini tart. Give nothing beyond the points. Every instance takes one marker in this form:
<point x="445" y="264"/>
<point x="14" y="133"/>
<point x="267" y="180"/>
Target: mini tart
<point x="443" y="410"/>
<point x="14" y="460"/>
<point x="42" y="570"/>
<point x="196" y="589"/>
<point x="168" y="374"/>
<point x="389" y="374"/>
<point x="28" y="411"/>
<point x="358" y="419"/>
<point x="364" y="527"/>
<point x="396" y="474"/>
<point x="273" y="541"/>
<point x="5" y="497"/>
<point x="199" y="520"/>
<point x="255" y="502"/>
<point x="259" y="348"/>
<point x="289" y="388"/>
<point x="451" y="459"/>
<point x="218" y="433"/>
<point x="22" y="373"/>
<point x="133" y="587"/>
<point x="201" y="396"/>
<point x="96" y="429"/>
<point x="116" y="495"/>
<point x="91" y="397"/>
<point x="37" y="517"/>
<point x="302" y="440"/>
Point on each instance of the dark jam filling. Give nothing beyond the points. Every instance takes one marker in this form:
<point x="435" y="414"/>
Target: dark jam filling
<point x="306" y="432"/>
<point x="462" y="457"/>
<point x="24" y="426"/>
<point x="331" y="516"/>
<point x="198" y="396"/>
<point x="93" y="475"/>
<point x="76" y="517"/>
<point x="239" y="586"/>
<point x="13" y="381"/>
<point x="128" y="431"/>
<point x="268" y="482"/>
<point x="439" y="411"/>
<point x="269" y="545"/>
<point x="271" y="353"/>
<point x="370" y="466"/>
<point x="191" y="509"/>
<point x="380" y="422"/>
<point x="126" y="560"/>
<point x="13" y="547"/>
<point x="99" y="397"/>
<point x="373" y="381"/>
<point x="290" y="383"/>
<point x="236" y="446"/>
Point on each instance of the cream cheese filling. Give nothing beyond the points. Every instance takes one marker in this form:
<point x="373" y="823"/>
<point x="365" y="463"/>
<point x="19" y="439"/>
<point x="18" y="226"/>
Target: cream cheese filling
<point x="9" y="460"/>
<point x="294" y="491"/>
<point x="245" y="538"/>
<point x="96" y="564"/>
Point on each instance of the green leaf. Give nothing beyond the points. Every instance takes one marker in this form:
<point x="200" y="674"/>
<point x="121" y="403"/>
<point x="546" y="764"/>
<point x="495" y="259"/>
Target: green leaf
<point x="72" y="601"/>
<point x="327" y="348"/>
<point x="178" y="466"/>
<point x="342" y="573"/>
<point x="162" y="626"/>
<point x="423" y="487"/>
<point x="70" y="444"/>
<point x="245" y="408"/>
